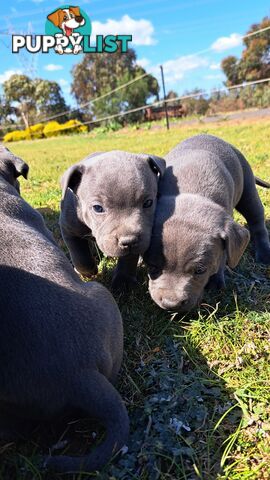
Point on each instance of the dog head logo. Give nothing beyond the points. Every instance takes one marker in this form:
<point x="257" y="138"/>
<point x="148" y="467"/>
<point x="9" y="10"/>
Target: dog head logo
<point x="67" y="19"/>
<point x="68" y="22"/>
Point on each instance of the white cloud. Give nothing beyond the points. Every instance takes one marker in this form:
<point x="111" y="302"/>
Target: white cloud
<point x="174" y="70"/>
<point x="214" y="66"/>
<point x="143" y="62"/>
<point x="52" y="67"/>
<point x="225" y="43"/>
<point x="7" y="74"/>
<point x="218" y="76"/>
<point x="142" y="31"/>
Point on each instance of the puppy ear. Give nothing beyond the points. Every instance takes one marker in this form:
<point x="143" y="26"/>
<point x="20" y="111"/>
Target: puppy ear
<point x="54" y="18"/>
<point x="236" y="240"/>
<point x="72" y="178"/>
<point x="157" y="165"/>
<point x="11" y="165"/>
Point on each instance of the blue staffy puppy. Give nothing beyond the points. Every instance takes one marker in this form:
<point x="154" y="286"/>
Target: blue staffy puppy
<point x="61" y="339"/>
<point x="194" y="234"/>
<point x="110" y="197"/>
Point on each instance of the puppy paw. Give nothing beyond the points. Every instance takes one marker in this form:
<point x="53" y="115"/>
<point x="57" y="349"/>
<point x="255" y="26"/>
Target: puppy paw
<point x="123" y="283"/>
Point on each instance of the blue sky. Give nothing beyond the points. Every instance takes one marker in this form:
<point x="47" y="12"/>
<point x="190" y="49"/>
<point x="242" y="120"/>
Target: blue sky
<point x="189" y="38"/>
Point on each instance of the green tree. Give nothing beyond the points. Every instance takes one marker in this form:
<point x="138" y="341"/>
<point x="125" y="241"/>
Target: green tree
<point x="19" y="92"/>
<point x="49" y="99"/>
<point x="254" y="63"/>
<point x="32" y="100"/>
<point x="230" y="66"/>
<point x="98" y="74"/>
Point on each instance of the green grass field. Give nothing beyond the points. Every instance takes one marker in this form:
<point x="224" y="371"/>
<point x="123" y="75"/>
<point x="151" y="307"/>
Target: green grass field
<point x="196" y="387"/>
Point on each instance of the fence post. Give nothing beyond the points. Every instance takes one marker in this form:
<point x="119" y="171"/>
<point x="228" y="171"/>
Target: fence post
<point x="164" y="96"/>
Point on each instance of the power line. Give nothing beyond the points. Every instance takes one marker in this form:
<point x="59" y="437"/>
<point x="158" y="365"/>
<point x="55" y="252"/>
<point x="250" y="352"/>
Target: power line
<point x="255" y="33"/>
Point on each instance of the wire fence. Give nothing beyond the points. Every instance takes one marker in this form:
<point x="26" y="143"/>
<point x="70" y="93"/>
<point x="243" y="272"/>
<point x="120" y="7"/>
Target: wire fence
<point x="153" y="104"/>
<point x="162" y="102"/>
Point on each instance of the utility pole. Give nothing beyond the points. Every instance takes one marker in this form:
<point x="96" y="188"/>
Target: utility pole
<point x="164" y="96"/>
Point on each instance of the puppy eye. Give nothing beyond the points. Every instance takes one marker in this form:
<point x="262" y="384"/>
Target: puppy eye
<point x="200" y="270"/>
<point x="98" y="209"/>
<point x="148" y="203"/>
<point x="72" y="16"/>
<point x="65" y="17"/>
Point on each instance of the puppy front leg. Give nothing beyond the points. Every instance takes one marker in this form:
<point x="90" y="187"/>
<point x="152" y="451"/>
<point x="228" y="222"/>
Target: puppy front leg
<point x="124" y="274"/>
<point x="81" y="255"/>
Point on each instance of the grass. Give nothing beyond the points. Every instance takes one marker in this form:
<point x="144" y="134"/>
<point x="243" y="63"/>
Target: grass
<point x="196" y="387"/>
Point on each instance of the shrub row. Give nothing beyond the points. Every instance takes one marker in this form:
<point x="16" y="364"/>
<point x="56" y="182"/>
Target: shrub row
<point x="50" y="129"/>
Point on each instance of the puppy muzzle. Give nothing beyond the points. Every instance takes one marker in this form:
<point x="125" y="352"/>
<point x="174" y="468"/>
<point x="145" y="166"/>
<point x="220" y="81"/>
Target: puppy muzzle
<point x="128" y="245"/>
<point x="167" y="301"/>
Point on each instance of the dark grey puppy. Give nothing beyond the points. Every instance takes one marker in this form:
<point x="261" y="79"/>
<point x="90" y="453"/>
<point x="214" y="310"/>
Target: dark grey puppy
<point x="110" y="197"/>
<point x="194" y="234"/>
<point x="61" y="340"/>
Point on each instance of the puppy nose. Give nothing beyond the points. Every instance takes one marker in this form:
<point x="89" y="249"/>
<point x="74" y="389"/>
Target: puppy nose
<point x="79" y="18"/>
<point x="128" y="242"/>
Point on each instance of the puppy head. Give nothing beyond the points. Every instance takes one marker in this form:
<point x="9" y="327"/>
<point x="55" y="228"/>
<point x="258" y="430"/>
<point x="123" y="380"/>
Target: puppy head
<point x="11" y="167"/>
<point x="188" y="248"/>
<point x="67" y="19"/>
<point x="117" y="194"/>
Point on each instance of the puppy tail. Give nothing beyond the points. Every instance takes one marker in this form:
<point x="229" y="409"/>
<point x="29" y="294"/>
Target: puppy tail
<point x="262" y="183"/>
<point x="101" y="401"/>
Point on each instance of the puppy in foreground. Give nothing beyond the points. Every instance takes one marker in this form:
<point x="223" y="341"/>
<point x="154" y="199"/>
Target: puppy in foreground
<point x="111" y="198"/>
<point x="194" y="234"/>
<point x="61" y="340"/>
